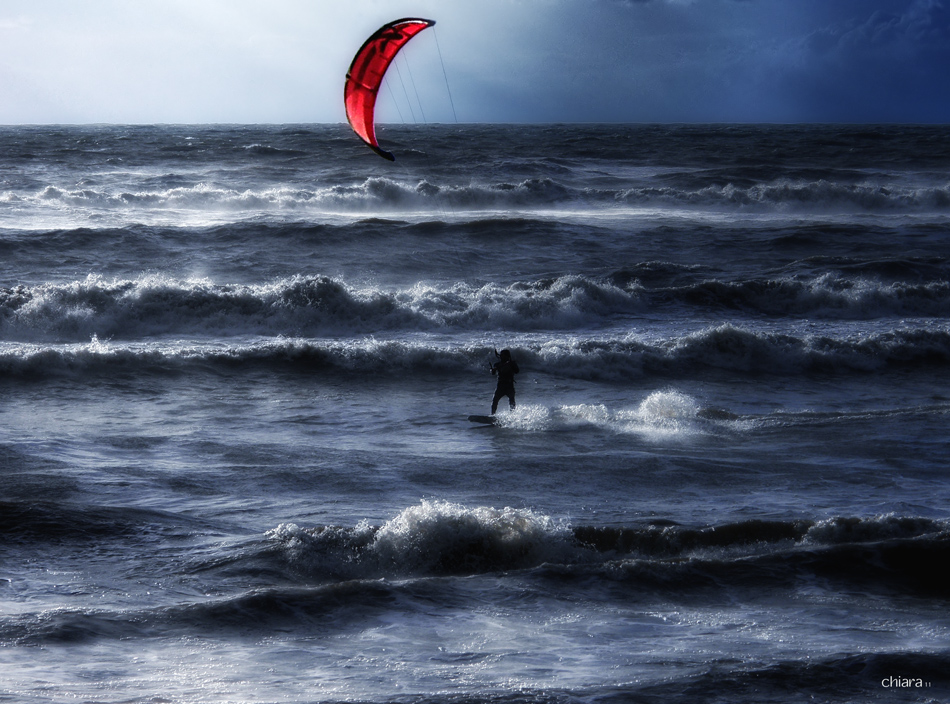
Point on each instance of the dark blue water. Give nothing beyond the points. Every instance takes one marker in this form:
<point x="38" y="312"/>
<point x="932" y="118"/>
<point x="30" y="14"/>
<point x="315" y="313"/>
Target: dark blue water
<point x="236" y="367"/>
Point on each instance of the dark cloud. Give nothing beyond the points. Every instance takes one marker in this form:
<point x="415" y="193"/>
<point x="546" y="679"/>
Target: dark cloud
<point x="882" y="66"/>
<point x="926" y="24"/>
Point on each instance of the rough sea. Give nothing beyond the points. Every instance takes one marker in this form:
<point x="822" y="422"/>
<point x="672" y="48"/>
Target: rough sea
<point x="237" y="365"/>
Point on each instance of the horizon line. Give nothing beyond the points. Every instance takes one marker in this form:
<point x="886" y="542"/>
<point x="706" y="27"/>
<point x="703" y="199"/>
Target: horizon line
<point x="343" y="123"/>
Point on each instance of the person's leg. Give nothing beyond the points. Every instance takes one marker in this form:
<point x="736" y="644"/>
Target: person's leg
<point x="494" y="402"/>
<point x="511" y="399"/>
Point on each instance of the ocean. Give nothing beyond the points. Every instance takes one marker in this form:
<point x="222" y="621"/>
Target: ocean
<point x="237" y="365"/>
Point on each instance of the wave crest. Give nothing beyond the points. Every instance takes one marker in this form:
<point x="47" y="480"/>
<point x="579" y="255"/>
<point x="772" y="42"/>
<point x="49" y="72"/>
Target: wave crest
<point x="158" y="305"/>
<point x="629" y="358"/>
<point x="433" y="537"/>
<point x="687" y="191"/>
<point x="437" y="538"/>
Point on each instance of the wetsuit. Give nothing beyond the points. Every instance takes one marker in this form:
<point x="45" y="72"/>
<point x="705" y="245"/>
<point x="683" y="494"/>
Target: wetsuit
<point x="505" y="370"/>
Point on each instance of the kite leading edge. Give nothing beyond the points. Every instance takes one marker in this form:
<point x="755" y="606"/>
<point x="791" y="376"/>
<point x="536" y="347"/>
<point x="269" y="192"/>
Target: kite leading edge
<point x="366" y="75"/>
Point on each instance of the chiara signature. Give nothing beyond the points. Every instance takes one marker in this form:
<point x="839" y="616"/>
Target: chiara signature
<point x="904" y="682"/>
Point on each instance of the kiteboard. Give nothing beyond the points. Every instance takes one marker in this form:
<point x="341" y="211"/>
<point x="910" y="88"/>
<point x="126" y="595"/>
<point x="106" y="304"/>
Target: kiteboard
<point x="485" y="420"/>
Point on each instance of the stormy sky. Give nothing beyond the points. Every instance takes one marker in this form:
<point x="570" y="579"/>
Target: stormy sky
<point x="280" y="61"/>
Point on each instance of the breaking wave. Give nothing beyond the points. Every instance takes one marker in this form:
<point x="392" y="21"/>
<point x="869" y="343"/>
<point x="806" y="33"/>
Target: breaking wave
<point x="628" y="358"/>
<point x="157" y="305"/>
<point x="335" y="576"/>
<point x="378" y="192"/>
<point x="798" y="195"/>
<point x="319" y="305"/>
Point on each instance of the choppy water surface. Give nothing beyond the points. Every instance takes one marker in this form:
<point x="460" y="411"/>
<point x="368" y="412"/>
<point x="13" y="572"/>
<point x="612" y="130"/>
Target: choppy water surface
<point x="236" y="366"/>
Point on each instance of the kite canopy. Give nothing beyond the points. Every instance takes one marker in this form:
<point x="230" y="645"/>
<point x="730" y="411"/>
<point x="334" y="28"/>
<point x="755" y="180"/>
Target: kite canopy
<point x="366" y="75"/>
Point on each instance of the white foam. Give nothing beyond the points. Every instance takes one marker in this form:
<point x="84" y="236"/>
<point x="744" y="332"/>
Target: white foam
<point x="440" y="534"/>
<point x="662" y="415"/>
<point x="525" y="417"/>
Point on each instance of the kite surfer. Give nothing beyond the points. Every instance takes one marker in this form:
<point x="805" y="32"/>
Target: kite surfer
<point x="505" y="369"/>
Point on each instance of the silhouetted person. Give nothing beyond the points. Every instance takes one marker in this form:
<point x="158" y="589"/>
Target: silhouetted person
<point x="505" y="369"/>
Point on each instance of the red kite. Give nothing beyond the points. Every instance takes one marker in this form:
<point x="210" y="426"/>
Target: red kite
<point x="366" y="75"/>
